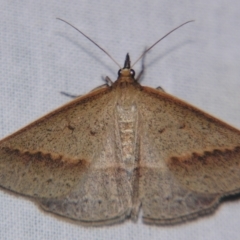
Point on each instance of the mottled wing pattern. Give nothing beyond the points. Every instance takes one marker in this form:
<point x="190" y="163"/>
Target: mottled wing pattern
<point x="67" y="161"/>
<point x="189" y="160"/>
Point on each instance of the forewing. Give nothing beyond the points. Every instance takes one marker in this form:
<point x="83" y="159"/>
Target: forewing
<point x="45" y="158"/>
<point x="188" y="159"/>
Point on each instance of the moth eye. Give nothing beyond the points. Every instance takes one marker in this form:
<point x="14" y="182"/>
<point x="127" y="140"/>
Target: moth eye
<point x="119" y="72"/>
<point x="132" y="72"/>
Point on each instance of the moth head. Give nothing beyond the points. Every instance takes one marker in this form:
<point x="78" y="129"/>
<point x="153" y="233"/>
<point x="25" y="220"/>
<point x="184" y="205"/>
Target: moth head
<point x="126" y="71"/>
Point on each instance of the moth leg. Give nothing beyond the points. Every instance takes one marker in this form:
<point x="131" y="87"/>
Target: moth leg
<point x="160" y="89"/>
<point x="105" y="85"/>
<point x="143" y="67"/>
<point x="108" y="81"/>
<point x="70" y="95"/>
<point x="139" y="75"/>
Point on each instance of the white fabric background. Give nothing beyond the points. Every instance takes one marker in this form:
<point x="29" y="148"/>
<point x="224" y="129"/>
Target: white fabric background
<point x="40" y="56"/>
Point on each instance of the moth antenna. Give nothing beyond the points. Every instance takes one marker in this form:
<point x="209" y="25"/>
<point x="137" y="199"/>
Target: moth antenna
<point x="160" y="40"/>
<point x="91" y="41"/>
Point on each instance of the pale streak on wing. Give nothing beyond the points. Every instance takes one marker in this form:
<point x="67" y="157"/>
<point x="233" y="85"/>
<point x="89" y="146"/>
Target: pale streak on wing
<point x="189" y="160"/>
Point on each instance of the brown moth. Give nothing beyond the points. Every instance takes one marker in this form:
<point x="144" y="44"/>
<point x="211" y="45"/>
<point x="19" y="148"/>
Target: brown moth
<point x="104" y="156"/>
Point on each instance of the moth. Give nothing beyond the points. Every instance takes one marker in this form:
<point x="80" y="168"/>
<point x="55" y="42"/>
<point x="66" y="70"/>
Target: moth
<point x="120" y="149"/>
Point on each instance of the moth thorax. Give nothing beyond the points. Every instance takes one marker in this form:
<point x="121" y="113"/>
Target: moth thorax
<point x="127" y="129"/>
